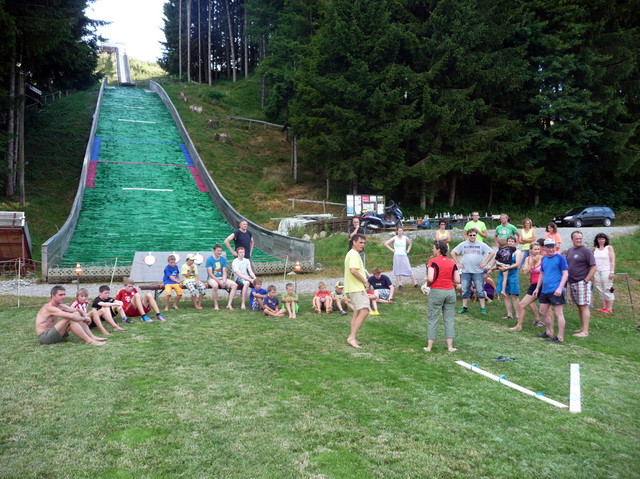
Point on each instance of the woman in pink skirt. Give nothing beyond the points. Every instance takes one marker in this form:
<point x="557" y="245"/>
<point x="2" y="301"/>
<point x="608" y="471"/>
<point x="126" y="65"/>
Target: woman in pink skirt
<point x="401" y="247"/>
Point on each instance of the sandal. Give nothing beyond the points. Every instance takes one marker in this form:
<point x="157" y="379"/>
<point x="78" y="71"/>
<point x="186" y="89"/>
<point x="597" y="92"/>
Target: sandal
<point x="506" y="317"/>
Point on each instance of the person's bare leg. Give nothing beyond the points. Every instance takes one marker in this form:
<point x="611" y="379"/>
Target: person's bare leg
<point x="89" y="333"/>
<point x="150" y="301"/>
<point x="413" y="278"/>
<point x="356" y="321"/>
<point x="290" y="308"/>
<point x="585" y="317"/>
<point x="194" y="301"/>
<point x="200" y="301"/>
<point x="507" y="304"/>
<point x="374" y="304"/>
<point x="175" y="304"/>
<point x="167" y="298"/>
<point x="106" y="314"/>
<point x="559" y="310"/>
<point x="429" y="345"/>
<point x="450" y="345"/>
<point x="505" y="275"/>
<point x="523" y="311"/>
<point x="317" y="307"/>
<point x="214" y="294"/>
<point x="232" y="294"/>
<point x="78" y="330"/>
<point x="516" y="304"/>
<point x="94" y="314"/>
<point x="328" y="304"/>
<point x="137" y="302"/>
<point x="547" y="319"/>
<point x="398" y="280"/>
<point x="245" y="288"/>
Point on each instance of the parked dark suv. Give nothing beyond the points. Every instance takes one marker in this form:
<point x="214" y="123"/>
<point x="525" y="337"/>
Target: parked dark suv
<point x="586" y="215"/>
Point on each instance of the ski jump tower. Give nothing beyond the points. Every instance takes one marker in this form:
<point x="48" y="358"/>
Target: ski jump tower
<point x="122" y="62"/>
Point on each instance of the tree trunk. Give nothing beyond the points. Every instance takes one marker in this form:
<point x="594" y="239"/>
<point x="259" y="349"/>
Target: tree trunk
<point x="490" y="194"/>
<point x="199" y="47"/>
<point x="227" y="52"/>
<point x="188" y="41"/>
<point x="536" y="198"/>
<point x="246" y="47"/>
<point x="452" y="191"/>
<point x="180" y="40"/>
<point x="423" y="195"/>
<point x="328" y="187"/>
<point x="231" y="45"/>
<point x="295" y="159"/>
<point x="209" y="43"/>
<point x="11" y="128"/>
<point x="21" y="140"/>
<point x="354" y="187"/>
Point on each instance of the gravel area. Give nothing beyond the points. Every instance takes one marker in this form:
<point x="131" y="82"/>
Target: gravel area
<point x="29" y="287"/>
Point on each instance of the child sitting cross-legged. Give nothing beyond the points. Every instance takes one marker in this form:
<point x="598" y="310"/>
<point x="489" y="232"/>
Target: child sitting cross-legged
<point x="270" y="303"/>
<point x="322" y="300"/>
<point x="290" y="301"/>
<point x="134" y="305"/>
<point x="257" y="295"/>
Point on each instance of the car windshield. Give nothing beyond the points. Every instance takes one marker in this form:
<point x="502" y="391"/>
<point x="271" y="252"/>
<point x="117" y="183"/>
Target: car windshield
<point x="575" y="211"/>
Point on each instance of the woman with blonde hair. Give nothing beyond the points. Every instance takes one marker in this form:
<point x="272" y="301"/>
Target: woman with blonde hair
<point x="527" y="238"/>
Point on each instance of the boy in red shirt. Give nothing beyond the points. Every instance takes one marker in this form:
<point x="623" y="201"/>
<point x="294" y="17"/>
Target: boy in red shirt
<point x="134" y="305"/>
<point x="322" y="300"/>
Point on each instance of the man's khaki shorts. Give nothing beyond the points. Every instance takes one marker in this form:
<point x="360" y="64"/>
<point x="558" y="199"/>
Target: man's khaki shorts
<point x="359" y="300"/>
<point x="228" y="285"/>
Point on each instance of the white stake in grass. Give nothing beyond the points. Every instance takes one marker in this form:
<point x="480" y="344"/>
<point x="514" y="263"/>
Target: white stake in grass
<point x="575" y="397"/>
<point x="503" y="380"/>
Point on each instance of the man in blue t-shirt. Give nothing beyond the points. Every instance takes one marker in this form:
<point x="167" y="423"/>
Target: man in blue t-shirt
<point x="217" y="271"/>
<point x="382" y="286"/>
<point x="554" y="273"/>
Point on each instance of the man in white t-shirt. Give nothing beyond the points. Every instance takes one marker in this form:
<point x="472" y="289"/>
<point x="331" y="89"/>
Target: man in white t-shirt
<point x="244" y="274"/>
<point x="472" y="266"/>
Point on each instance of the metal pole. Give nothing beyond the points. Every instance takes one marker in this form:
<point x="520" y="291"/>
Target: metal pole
<point x="284" y="276"/>
<point x="113" y="273"/>
<point x="633" y="311"/>
<point x="19" y="268"/>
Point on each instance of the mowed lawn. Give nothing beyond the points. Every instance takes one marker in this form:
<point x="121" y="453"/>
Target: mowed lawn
<point x="234" y="394"/>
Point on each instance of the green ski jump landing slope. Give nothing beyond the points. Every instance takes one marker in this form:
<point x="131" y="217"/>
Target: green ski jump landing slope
<point x="143" y="192"/>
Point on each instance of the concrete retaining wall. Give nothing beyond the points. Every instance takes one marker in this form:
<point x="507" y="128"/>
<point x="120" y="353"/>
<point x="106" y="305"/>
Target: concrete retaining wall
<point x="267" y="241"/>
<point x="55" y="247"/>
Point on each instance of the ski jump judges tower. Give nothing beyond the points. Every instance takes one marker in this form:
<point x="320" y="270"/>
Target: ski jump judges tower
<point x="285" y="250"/>
<point x="122" y="62"/>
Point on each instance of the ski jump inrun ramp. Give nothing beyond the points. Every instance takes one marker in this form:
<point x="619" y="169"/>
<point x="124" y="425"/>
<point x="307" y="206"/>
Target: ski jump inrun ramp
<point x="144" y="188"/>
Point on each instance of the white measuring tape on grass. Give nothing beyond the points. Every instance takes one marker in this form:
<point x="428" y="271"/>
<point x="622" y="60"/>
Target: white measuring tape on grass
<point x="503" y="380"/>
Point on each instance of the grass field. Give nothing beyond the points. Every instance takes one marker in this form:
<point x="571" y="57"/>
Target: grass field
<point x="233" y="394"/>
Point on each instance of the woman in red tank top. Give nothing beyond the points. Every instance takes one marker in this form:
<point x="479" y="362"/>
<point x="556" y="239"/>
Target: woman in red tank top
<point x="443" y="277"/>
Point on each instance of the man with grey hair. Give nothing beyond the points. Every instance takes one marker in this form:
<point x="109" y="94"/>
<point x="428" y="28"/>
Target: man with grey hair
<point x="582" y="268"/>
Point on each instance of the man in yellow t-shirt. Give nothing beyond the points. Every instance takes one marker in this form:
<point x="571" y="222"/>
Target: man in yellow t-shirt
<point x="478" y="225"/>
<point x="355" y="285"/>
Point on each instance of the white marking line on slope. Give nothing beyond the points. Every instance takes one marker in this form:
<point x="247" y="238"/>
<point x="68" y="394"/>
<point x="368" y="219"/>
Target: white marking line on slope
<point x="146" y="189"/>
<point x="136" y="121"/>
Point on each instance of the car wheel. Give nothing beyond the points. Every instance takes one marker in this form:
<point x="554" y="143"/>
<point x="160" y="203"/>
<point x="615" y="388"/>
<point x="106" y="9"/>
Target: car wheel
<point x="577" y="223"/>
<point x="607" y="222"/>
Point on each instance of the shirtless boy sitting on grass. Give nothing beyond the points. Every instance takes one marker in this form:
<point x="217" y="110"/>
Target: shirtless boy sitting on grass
<point x="55" y="319"/>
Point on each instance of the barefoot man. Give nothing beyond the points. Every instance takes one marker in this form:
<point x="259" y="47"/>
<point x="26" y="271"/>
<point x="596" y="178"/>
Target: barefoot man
<point x="355" y="285"/>
<point x="51" y="331"/>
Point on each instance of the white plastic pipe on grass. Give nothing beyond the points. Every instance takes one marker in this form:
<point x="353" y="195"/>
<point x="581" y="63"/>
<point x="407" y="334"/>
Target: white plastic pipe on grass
<point x="506" y="382"/>
<point x="575" y="396"/>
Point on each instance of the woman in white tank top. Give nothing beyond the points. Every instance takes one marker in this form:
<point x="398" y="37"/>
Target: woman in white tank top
<point x="606" y="266"/>
<point x="401" y="265"/>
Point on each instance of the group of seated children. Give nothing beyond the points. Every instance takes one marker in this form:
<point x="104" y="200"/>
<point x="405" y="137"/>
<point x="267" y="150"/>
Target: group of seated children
<point x="128" y="304"/>
<point x="381" y="290"/>
<point x="261" y="299"/>
<point x="190" y="280"/>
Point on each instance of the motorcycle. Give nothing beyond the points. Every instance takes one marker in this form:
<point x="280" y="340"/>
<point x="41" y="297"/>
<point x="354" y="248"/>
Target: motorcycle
<point x="373" y="222"/>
